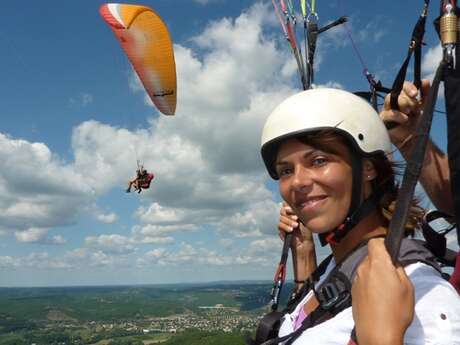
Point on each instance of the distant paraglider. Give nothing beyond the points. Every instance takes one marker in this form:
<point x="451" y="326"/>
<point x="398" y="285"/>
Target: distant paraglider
<point x="141" y="181"/>
<point x="146" y="41"/>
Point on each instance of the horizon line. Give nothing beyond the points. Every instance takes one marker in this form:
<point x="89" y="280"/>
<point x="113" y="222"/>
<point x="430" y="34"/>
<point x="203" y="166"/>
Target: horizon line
<point x="246" y="281"/>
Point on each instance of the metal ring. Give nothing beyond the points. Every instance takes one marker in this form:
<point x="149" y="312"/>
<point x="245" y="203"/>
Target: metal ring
<point x="314" y="15"/>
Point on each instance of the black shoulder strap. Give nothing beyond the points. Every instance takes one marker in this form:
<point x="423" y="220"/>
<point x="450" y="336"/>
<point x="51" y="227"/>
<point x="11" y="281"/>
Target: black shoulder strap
<point x="334" y="293"/>
<point x="309" y="283"/>
<point x="326" y="293"/>
<point x="269" y="324"/>
<point x="452" y="96"/>
<point x="413" y="251"/>
<point x="415" y="47"/>
<point x="268" y="327"/>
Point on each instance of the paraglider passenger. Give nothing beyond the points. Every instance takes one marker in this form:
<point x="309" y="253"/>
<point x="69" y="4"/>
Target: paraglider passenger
<point x="330" y="152"/>
<point x="134" y="182"/>
<point x="142" y="180"/>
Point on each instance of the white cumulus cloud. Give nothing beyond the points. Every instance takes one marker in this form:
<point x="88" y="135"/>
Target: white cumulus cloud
<point x="38" y="191"/>
<point x="107" y="218"/>
<point x="112" y="244"/>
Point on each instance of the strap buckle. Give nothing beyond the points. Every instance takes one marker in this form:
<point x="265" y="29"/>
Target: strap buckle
<point x="328" y="296"/>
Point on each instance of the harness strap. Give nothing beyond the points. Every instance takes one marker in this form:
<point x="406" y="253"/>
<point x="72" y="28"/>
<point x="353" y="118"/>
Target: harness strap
<point x="312" y="36"/>
<point x="436" y="241"/>
<point x="334" y="294"/>
<point x="308" y="284"/>
<point x="452" y="92"/>
<point x="366" y="207"/>
<point x="452" y="96"/>
<point x="375" y="87"/>
<point x="415" y="47"/>
<point x="325" y="310"/>
<point x="412" y="171"/>
<point x="280" y="274"/>
<point x="269" y="324"/>
<point x="268" y="327"/>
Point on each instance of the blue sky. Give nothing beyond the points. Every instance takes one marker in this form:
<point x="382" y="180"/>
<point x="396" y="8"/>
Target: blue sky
<point x="74" y="117"/>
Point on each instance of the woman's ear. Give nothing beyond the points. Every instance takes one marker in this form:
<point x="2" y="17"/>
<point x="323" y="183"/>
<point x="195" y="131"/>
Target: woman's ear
<point x="369" y="172"/>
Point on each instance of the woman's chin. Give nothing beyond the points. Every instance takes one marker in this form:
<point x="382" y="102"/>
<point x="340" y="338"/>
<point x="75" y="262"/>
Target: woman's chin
<point x="320" y="227"/>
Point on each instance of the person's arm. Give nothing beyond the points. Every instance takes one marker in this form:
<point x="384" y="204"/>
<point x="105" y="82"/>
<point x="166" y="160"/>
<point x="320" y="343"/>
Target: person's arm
<point x="435" y="175"/>
<point x="303" y="247"/>
<point x="383" y="299"/>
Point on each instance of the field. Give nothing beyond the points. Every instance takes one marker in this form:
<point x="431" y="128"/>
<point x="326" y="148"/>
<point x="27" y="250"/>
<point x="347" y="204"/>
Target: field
<point x="167" y="314"/>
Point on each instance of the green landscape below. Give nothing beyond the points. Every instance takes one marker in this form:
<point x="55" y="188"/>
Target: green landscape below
<point x="219" y="313"/>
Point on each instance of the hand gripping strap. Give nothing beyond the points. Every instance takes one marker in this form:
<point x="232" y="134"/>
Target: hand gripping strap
<point x="410" y="251"/>
<point x="415" y="47"/>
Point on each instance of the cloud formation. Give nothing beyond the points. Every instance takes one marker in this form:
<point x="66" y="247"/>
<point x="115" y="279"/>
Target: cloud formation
<point x="38" y="191"/>
<point x="83" y="99"/>
<point x="108" y="218"/>
<point x="206" y="160"/>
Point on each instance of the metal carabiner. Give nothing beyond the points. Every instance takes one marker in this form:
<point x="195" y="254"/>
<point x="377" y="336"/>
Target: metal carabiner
<point x="448" y="30"/>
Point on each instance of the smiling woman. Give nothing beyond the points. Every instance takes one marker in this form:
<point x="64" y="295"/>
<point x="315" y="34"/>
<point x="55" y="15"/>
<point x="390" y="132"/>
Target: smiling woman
<point x="345" y="138"/>
<point x="314" y="180"/>
<point x="330" y="152"/>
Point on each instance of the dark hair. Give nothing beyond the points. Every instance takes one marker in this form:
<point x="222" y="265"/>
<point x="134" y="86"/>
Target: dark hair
<point x="386" y="182"/>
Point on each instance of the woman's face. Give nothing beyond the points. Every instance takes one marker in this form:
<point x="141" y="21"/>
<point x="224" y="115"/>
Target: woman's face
<point x="315" y="183"/>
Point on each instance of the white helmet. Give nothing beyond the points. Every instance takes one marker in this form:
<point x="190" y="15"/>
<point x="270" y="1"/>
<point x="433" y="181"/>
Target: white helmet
<point x="318" y="109"/>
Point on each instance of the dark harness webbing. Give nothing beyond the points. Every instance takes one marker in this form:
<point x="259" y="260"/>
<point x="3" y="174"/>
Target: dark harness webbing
<point x="412" y="171"/>
<point x="312" y="36"/>
<point x="452" y="95"/>
<point x="334" y="293"/>
<point x="436" y="240"/>
<point x="415" y="47"/>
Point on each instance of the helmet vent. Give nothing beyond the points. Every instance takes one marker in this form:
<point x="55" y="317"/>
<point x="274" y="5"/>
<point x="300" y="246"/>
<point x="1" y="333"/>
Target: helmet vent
<point x="360" y="136"/>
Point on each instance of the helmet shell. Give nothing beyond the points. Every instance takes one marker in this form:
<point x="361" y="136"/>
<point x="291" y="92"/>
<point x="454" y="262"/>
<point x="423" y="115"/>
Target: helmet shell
<point x="321" y="109"/>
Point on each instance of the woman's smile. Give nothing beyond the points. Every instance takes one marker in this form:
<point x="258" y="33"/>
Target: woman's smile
<point x="309" y="203"/>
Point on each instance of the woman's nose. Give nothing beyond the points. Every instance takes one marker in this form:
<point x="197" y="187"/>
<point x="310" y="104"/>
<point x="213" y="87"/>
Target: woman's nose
<point x="302" y="178"/>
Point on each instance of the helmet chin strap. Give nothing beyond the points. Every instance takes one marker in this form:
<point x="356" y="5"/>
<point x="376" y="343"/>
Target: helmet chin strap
<point x="358" y="210"/>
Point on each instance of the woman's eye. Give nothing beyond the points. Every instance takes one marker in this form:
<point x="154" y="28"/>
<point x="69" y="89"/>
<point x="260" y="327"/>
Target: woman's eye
<point x="319" y="161"/>
<point x="284" y="172"/>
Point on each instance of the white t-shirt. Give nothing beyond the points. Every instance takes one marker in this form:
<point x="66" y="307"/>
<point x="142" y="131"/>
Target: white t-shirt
<point x="436" y="320"/>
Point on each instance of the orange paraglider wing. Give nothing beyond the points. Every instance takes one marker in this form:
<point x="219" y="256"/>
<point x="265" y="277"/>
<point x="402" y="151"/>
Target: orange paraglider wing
<point x="146" y="41"/>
